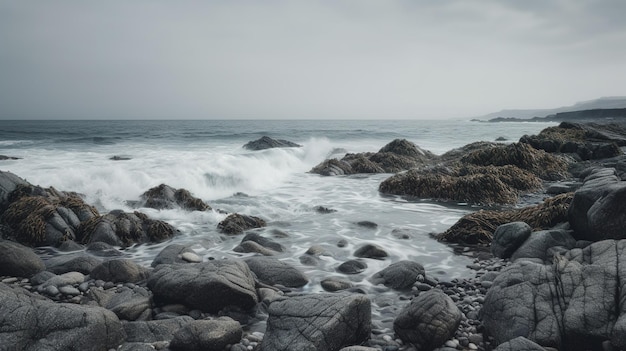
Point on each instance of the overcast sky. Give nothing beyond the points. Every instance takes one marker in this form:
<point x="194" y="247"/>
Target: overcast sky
<point x="305" y="59"/>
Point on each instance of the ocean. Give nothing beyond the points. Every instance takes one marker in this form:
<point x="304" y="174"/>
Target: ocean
<point x="206" y="157"/>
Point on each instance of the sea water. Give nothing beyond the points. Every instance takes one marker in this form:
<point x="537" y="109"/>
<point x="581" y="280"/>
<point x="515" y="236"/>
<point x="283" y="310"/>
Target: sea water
<point x="207" y="158"/>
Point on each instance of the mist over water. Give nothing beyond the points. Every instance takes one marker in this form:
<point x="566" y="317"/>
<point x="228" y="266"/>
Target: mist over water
<point x="207" y="158"/>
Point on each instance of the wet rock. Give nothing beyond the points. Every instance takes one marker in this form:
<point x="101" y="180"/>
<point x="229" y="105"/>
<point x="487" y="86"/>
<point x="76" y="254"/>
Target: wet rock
<point x="119" y="228"/>
<point x="509" y="237"/>
<point x="8" y="183"/>
<point x="103" y="250"/>
<point x="4" y="158"/>
<point x="154" y="331"/>
<point x="166" y="197"/>
<point x="324" y="210"/>
<point x="596" y="212"/>
<point x="263" y="241"/>
<point x="367" y="224"/>
<point x="69" y="246"/>
<point x="236" y="224"/>
<point x="129" y="304"/>
<point x="18" y="260"/>
<point x="79" y="262"/>
<point x="478" y="227"/>
<point x="352" y="267"/>
<point x="571" y="304"/>
<point x="371" y="251"/>
<point x="399" y="275"/>
<point x="172" y="254"/>
<point x="428" y="321"/>
<point x="538" y="243"/>
<point x="69" y="278"/>
<point x="207" y="335"/>
<point x="252" y="246"/>
<point x="120" y="270"/>
<point x="519" y="344"/>
<point x="333" y="167"/>
<point x="208" y="286"/>
<point x="336" y="284"/>
<point x="272" y="271"/>
<point x="119" y="158"/>
<point x="317" y="322"/>
<point x="266" y="142"/>
<point x="33" y="323"/>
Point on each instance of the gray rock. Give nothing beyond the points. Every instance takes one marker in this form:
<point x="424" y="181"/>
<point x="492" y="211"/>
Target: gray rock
<point x="207" y="335"/>
<point x="154" y="331"/>
<point x="572" y="304"/>
<point x="32" y="323"/>
<point x="538" y="243"/>
<point x="358" y="348"/>
<point x="208" y="286"/>
<point x="166" y="197"/>
<point x="266" y="142"/>
<point x="263" y="241"/>
<point x="596" y="209"/>
<point x="237" y="223"/>
<point x="399" y="275"/>
<point x="78" y="262"/>
<point x="128" y="304"/>
<point x="8" y="183"/>
<point x="136" y="346"/>
<point x="171" y="254"/>
<point x="428" y="321"/>
<point x="352" y="267"/>
<point x="69" y="278"/>
<point x="120" y="270"/>
<point x="519" y="344"/>
<point x="509" y="237"/>
<point x="317" y="322"/>
<point x="101" y="249"/>
<point x="336" y="284"/>
<point x="17" y="260"/>
<point x="272" y="271"/>
<point x="254" y="247"/>
<point x="371" y="251"/>
<point x="41" y="277"/>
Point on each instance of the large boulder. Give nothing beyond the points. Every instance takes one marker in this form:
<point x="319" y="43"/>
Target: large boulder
<point x="237" y="223"/>
<point x="120" y="228"/>
<point x="272" y="271"/>
<point x="18" y="261"/>
<point x="479" y="227"/>
<point x="598" y="209"/>
<point x="166" y="197"/>
<point x="508" y="237"/>
<point x="266" y="142"/>
<point x="29" y="322"/>
<point x="574" y="303"/>
<point x="537" y="244"/>
<point x="74" y="262"/>
<point x="428" y="321"/>
<point x="208" y="286"/>
<point x="322" y="322"/>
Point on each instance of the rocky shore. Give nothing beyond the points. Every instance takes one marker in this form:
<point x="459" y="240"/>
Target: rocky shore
<point x="546" y="276"/>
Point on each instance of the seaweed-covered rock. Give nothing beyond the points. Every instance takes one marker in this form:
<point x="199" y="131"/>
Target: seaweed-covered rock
<point x="30" y="322"/>
<point x="237" y="223"/>
<point x="266" y="142"/>
<point x="45" y="220"/>
<point x="428" y="321"/>
<point x="120" y="228"/>
<point x="317" y="322"/>
<point x="208" y="286"/>
<point x="478" y="185"/>
<point x="8" y="183"/>
<point x="478" y="227"/>
<point x="166" y="197"/>
<point x="398" y="155"/>
<point x="521" y="155"/>
<point x="598" y="209"/>
<point x="588" y="141"/>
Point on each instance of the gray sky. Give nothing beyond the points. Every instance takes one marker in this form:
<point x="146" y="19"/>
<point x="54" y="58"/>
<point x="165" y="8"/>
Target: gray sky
<point x="305" y="59"/>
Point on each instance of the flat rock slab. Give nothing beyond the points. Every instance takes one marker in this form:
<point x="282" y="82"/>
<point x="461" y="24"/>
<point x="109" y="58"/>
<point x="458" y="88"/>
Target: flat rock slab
<point x="324" y="322"/>
<point x="31" y="323"/>
<point x="208" y="286"/>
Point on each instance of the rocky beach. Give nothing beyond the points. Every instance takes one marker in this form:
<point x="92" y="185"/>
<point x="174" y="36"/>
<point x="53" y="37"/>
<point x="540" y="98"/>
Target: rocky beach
<point x="542" y="247"/>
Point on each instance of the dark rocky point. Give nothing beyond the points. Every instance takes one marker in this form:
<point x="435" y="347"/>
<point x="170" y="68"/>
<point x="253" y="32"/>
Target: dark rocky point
<point x="266" y="142"/>
<point x="166" y="197"/>
<point x="236" y="224"/>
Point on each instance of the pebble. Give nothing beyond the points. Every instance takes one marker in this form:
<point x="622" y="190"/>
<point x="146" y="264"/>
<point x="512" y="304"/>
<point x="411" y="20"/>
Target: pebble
<point x="10" y="280"/>
<point x="69" y="290"/>
<point x="472" y="346"/>
<point x="191" y="257"/>
<point x="51" y="290"/>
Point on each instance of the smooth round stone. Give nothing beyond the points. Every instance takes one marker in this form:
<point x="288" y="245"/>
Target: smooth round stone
<point x="83" y="287"/>
<point x="51" y="290"/>
<point x="472" y="346"/>
<point x="191" y="257"/>
<point x="452" y="343"/>
<point x="9" y="280"/>
<point x="69" y="290"/>
<point x="486" y="284"/>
